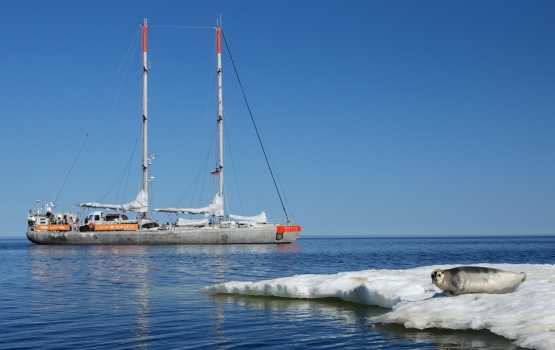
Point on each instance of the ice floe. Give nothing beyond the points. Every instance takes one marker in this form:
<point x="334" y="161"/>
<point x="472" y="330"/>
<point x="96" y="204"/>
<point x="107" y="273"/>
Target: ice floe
<point x="526" y="316"/>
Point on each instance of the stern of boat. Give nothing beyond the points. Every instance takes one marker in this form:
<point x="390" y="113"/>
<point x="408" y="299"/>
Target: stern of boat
<point x="287" y="233"/>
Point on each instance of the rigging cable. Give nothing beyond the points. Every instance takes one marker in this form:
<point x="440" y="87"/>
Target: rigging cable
<point x="87" y="133"/>
<point x="70" y="168"/>
<point x="255" y="128"/>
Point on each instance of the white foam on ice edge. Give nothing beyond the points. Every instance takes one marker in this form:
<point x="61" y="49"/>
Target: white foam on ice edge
<point x="526" y="316"/>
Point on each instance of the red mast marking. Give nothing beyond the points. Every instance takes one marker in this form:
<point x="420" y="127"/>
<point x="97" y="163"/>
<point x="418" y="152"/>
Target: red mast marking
<point x="218" y="44"/>
<point x="144" y="38"/>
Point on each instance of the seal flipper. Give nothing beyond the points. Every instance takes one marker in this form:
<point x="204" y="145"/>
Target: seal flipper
<point x="460" y="283"/>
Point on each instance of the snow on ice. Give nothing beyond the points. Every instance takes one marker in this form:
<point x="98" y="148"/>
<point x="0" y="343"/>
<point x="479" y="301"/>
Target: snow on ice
<point x="526" y="316"/>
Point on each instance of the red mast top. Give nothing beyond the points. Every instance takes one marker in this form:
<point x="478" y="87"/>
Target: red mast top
<point x="144" y="37"/>
<point x="218" y="43"/>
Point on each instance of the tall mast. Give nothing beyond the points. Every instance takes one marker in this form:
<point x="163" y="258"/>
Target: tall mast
<point x="145" y="112"/>
<point x="220" y="115"/>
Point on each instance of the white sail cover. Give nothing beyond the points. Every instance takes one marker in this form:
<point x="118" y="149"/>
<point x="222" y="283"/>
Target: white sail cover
<point x="216" y="207"/>
<point x="140" y="204"/>
<point x="259" y="219"/>
<point x="188" y="222"/>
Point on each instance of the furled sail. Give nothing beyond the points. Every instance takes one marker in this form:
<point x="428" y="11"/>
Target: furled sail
<point x="191" y="223"/>
<point x="216" y="207"/>
<point x="259" y="219"/>
<point x="140" y="204"/>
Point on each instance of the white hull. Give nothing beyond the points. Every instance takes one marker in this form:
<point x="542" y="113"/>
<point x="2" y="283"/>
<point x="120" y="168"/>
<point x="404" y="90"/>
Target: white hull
<point x="266" y="234"/>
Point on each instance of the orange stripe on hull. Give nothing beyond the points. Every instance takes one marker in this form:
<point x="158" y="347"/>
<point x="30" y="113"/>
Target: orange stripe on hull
<point x="293" y="228"/>
<point x="116" y="227"/>
<point x="55" y="227"/>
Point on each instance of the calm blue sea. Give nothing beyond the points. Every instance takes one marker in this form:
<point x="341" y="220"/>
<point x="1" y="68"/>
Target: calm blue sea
<point x="152" y="297"/>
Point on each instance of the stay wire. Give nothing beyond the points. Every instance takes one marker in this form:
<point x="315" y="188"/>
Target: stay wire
<point x="87" y="133"/>
<point x="70" y="168"/>
<point x="255" y="128"/>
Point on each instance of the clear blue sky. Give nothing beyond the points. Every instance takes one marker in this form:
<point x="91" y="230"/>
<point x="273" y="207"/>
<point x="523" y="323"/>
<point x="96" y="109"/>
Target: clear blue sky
<point x="380" y="117"/>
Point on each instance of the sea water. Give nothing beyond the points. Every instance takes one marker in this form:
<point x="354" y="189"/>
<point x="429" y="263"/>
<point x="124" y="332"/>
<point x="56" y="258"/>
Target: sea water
<point x="159" y="297"/>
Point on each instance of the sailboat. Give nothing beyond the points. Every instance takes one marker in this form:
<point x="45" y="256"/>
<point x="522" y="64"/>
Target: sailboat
<point x="115" y="227"/>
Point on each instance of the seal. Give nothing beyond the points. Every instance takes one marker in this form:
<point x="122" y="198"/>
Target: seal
<point x="476" y="279"/>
